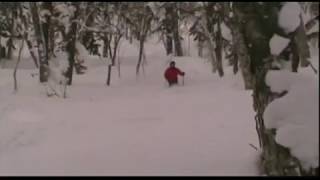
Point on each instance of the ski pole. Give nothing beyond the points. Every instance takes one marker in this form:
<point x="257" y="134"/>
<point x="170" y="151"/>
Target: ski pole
<point x="182" y="80"/>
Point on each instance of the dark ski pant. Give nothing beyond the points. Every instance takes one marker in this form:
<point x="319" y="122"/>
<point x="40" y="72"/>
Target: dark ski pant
<point x="171" y="83"/>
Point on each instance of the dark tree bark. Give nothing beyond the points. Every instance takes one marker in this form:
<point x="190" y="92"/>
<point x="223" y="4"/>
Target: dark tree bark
<point x="141" y="46"/>
<point x="240" y="50"/>
<point x="168" y="28"/>
<point x="30" y="47"/>
<point x="295" y="57"/>
<point x="71" y="44"/>
<point x="105" y="47"/>
<point x="42" y="54"/>
<point x="109" y="75"/>
<point x="10" y="45"/>
<point x="169" y="46"/>
<point x="9" y="48"/>
<point x="145" y="28"/>
<point x="47" y="34"/>
<point x="219" y="49"/>
<point x="112" y="53"/>
<point x="172" y="30"/>
<point x="200" y="47"/>
<point x="235" y="63"/>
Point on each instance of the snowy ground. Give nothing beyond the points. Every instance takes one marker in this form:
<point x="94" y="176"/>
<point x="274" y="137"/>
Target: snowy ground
<point x="138" y="126"/>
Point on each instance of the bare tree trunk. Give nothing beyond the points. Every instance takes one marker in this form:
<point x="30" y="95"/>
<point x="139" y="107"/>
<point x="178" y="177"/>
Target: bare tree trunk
<point x="242" y="54"/>
<point x="168" y="29"/>
<point x="141" y="46"/>
<point x="176" y="34"/>
<point x="235" y="63"/>
<point x="52" y="41"/>
<point x="200" y="48"/>
<point x="71" y="43"/>
<point x="144" y="61"/>
<point x="105" y="47"/>
<point x="10" y="46"/>
<point x="172" y="29"/>
<point x="109" y="75"/>
<point x="46" y="29"/>
<point x="295" y="58"/>
<point x="177" y="43"/>
<point x="30" y="47"/>
<point x="1" y="51"/>
<point x="189" y="45"/>
<point x="169" y="48"/>
<point x="219" y="49"/>
<point x="43" y="74"/>
<point x="301" y="42"/>
<point x="113" y="56"/>
<point x="16" y="67"/>
<point x="10" y="40"/>
<point x="119" y="63"/>
<point x="130" y="36"/>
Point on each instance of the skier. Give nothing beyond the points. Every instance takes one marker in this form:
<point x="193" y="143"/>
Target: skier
<point x="171" y="74"/>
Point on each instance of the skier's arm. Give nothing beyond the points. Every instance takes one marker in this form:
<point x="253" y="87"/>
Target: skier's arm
<point x="180" y="72"/>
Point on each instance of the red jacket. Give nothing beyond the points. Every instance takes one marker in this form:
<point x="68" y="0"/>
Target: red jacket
<point x="171" y="74"/>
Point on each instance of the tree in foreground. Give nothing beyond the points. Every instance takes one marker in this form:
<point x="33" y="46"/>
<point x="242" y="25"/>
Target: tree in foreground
<point x="260" y="23"/>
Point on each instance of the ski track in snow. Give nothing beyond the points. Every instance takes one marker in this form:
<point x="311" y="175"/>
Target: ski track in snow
<point x="138" y="126"/>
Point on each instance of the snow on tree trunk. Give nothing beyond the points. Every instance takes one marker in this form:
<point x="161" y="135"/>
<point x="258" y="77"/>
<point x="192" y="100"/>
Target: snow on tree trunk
<point x="276" y="159"/>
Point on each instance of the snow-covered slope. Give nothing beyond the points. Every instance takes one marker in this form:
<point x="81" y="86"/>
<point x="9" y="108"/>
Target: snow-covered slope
<point x="137" y="126"/>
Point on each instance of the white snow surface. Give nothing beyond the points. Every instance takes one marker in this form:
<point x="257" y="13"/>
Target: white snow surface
<point x="289" y="16"/>
<point x="137" y="126"/>
<point x="277" y="44"/>
<point x="296" y="115"/>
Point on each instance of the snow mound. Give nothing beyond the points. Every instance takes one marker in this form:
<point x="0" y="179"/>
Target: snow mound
<point x="289" y="16"/>
<point x="295" y="116"/>
<point x="58" y="66"/>
<point x="277" y="44"/>
<point x="83" y="52"/>
<point x="226" y="32"/>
